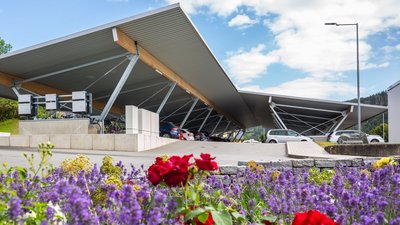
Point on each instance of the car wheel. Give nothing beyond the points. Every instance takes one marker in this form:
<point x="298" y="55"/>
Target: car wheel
<point x="166" y="135"/>
<point x="273" y="142"/>
<point x="303" y="140"/>
<point x="374" y="141"/>
<point x="340" y="141"/>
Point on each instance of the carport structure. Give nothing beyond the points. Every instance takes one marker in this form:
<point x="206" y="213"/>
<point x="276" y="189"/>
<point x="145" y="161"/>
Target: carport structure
<point x="156" y="61"/>
<point x="304" y="115"/>
<point x="159" y="61"/>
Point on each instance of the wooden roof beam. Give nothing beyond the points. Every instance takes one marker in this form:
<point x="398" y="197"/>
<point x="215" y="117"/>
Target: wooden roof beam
<point x="128" y="44"/>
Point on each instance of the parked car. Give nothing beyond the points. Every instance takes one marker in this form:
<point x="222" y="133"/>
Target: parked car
<point x="187" y="135"/>
<point x="199" y="136"/>
<point x="251" y="141"/>
<point x="284" y="135"/>
<point x="334" y="136"/>
<point x="169" y="130"/>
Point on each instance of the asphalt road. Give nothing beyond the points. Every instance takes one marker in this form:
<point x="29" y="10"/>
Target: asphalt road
<point x="225" y="153"/>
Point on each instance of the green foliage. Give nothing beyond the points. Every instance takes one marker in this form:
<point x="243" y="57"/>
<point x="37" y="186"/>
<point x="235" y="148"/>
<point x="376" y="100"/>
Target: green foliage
<point x="319" y="177"/>
<point x="8" y="109"/>
<point x="99" y="196"/>
<point x="10" y="126"/>
<point x="379" y="131"/>
<point x="108" y="168"/>
<point x="4" y="47"/>
<point x="36" y="210"/>
<point x="380" y="98"/>
<point x="256" y="133"/>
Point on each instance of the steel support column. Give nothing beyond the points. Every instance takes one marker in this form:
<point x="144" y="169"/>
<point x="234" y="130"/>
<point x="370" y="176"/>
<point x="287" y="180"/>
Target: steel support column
<point x="171" y="89"/>
<point x="216" y="125"/>
<point x="188" y="113"/>
<point x="171" y="114"/>
<point x="345" y="114"/>
<point x="121" y="82"/>
<point x="151" y="96"/>
<point x="272" y="106"/>
<point x="226" y="128"/>
<point x="204" y="121"/>
<point x="240" y="130"/>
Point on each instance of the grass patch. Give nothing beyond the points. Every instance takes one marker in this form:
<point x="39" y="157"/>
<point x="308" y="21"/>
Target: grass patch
<point x="10" y="126"/>
<point x="325" y="143"/>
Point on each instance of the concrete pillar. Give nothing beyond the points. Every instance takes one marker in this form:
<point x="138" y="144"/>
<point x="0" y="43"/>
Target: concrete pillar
<point x="131" y="119"/>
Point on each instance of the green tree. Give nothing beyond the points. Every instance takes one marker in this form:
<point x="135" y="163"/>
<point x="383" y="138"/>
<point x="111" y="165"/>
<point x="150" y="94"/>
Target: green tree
<point x="379" y="131"/>
<point x="4" y="47"/>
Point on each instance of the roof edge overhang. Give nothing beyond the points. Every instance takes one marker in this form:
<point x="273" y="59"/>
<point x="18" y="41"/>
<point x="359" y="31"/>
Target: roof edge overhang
<point x="90" y="30"/>
<point x="312" y="99"/>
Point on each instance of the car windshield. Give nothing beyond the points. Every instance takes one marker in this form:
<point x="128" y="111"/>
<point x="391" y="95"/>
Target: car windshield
<point x="292" y="133"/>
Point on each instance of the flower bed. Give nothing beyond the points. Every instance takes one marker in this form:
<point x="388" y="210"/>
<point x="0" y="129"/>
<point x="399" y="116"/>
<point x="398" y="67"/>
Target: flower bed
<point x="185" y="190"/>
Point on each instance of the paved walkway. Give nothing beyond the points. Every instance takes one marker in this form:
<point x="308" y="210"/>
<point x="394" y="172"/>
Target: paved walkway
<point x="226" y="153"/>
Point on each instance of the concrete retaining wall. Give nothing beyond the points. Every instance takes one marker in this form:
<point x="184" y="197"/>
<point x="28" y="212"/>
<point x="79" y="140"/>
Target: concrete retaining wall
<point x="56" y="126"/>
<point x="109" y="142"/>
<point x="371" y="150"/>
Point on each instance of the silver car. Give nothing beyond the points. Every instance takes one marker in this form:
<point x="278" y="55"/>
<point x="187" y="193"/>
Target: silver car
<point x="283" y="136"/>
<point x="334" y="136"/>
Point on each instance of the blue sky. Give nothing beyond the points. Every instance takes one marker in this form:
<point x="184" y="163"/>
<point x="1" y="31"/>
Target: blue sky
<point x="278" y="46"/>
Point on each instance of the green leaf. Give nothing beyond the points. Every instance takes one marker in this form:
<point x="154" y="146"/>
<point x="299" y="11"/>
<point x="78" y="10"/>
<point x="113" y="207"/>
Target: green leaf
<point x="192" y="195"/>
<point x="221" y="206"/>
<point x="221" y="217"/>
<point x="21" y="172"/>
<point x="270" y="218"/>
<point x="203" y="217"/>
<point x="238" y="216"/>
<point x="193" y="213"/>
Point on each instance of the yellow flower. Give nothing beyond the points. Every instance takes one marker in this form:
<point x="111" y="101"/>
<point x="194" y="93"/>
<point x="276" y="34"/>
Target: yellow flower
<point x="251" y="165"/>
<point x="275" y="174"/>
<point x="260" y="168"/>
<point x="77" y="164"/>
<point x="116" y="181"/>
<point x="136" y="187"/>
<point x="383" y="162"/>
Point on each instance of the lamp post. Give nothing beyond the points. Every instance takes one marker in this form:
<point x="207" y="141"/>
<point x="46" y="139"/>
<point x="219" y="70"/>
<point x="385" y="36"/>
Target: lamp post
<point x="358" y="71"/>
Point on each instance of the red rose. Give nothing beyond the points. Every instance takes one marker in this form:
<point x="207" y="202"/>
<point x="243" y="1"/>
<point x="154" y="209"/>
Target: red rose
<point x="153" y="174"/>
<point x="312" y="217"/>
<point x="173" y="171"/>
<point x="206" y="162"/>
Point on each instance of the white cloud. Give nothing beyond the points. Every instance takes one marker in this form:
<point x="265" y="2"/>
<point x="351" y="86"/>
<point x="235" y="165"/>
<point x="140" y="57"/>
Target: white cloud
<point x="242" y="21"/>
<point x="309" y="87"/>
<point x="389" y="49"/>
<point x="245" y="66"/>
<point x="302" y="40"/>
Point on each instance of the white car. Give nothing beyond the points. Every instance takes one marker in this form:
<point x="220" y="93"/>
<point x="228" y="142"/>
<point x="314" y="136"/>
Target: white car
<point x="334" y="136"/>
<point x="283" y="136"/>
<point x="251" y="141"/>
<point x="187" y="135"/>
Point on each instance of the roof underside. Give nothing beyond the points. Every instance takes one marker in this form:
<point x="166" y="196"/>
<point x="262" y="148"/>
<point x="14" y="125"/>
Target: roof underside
<point x="169" y="35"/>
<point x="299" y="113"/>
<point x="166" y="33"/>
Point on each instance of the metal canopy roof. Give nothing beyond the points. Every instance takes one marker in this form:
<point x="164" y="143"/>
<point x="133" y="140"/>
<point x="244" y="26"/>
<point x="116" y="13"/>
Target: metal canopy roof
<point x="299" y="113"/>
<point x="167" y="33"/>
<point x="170" y="36"/>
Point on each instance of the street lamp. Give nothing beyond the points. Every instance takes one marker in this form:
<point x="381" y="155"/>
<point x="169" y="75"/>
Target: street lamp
<point x="358" y="70"/>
